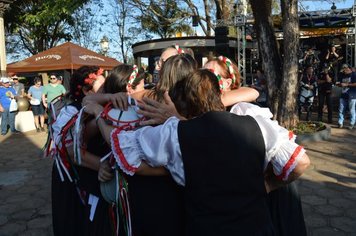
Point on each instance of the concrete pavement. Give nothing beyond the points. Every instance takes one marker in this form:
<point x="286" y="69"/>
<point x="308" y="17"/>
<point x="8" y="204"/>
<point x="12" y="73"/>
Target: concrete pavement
<point x="328" y="188"/>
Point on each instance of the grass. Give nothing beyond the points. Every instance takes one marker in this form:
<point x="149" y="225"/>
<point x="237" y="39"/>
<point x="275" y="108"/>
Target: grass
<point x="308" y="127"/>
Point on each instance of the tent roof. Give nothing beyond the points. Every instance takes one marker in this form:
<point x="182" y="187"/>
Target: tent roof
<point x="66" y="56"/>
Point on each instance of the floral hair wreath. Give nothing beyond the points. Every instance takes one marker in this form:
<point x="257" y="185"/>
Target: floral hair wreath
<point x="221" y="84"/>
<point x="228" y="63"/>
<point x="92" y="77"/>
<point x="133" y="75"/>
<point x="90" y="80"/>
<point x="180" y="50"/>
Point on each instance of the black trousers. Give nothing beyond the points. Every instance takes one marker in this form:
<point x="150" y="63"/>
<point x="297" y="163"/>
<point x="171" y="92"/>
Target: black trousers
<point x="325" y="98"/>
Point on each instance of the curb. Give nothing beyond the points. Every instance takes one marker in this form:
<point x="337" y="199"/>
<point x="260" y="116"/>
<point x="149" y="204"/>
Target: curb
<point x="317" y="136"/>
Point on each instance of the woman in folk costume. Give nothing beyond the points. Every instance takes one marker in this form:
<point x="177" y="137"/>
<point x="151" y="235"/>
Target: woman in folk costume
<point x="129" y="81"/>
<point x="77" y="207"/>
<point x="285" y="205"/>
<point x="219" y="199"/>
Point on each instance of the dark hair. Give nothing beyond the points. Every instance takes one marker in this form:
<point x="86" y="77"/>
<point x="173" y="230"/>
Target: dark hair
<point x="197" y="94"/>
<point x="174" y="69"/>
<point x="36" y="80"/>
<point x="78" y="83"/>
<point x="119" y="77"/>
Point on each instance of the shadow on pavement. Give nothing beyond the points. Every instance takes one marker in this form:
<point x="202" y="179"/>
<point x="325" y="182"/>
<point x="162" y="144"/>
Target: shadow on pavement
<point x="25" y="180"/>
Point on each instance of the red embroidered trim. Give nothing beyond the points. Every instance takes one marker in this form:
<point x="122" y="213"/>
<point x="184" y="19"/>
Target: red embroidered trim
<point x="119" y="151"/>
<point x="105" y="116"/>
<point x="64" y="131"/>
<point x="290" y="134"/>
<point x="290" y="162"/>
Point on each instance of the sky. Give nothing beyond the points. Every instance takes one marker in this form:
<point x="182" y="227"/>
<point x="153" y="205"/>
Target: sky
<point x="326" y="4"/>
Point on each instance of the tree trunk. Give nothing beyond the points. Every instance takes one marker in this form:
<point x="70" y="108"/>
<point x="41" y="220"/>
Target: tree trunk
<point x="208" y="18"/>
<point x="287" y="113"/>
<point x="271" y="60"/>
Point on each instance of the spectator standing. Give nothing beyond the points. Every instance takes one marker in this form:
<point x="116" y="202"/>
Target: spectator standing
<point x="325" y="84"/>
<point x="59" y="79"/>
<point x="332" y="59"/>
<point x="19" y="87"/>
<point x="7" y="93"/>
<point x="52" y="90"/>
<point x="310" y="58"/>
<point x="347" y="82"/>
<point x="35" y="96"/>
<point x="308" y="85"/>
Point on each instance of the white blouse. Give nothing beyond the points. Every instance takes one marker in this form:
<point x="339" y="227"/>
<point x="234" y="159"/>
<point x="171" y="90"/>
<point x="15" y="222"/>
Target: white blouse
<point x="159" y="146"/>
<point x="64" y="116"/>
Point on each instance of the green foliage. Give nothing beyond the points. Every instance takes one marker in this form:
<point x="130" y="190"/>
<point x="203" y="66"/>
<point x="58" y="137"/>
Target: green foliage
<point x="37" y="25"/>
<point x="308" y="127"/>
<point x="165" y="18"/>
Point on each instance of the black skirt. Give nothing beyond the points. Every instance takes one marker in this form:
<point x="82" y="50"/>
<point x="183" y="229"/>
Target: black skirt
<point x="67" y="208"/>
<point x="286" y="211"/>
<point x="157" y="206"/>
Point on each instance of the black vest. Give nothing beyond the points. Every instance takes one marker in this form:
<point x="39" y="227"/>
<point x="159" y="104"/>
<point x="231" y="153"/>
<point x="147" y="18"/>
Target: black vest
<point x="223" y="156"/>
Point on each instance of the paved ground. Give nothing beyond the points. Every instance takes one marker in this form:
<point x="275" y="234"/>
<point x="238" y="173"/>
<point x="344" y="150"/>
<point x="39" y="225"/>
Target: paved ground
<point x="328" y="188"/>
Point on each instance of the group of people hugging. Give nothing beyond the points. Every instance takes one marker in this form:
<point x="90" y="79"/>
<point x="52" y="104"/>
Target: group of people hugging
<point x="191" y="156"/>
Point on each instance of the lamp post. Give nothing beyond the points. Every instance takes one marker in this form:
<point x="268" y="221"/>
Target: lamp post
<point x="104" y="44"/>
<point x="4" y="4"/>
<point x="333" y="7"/>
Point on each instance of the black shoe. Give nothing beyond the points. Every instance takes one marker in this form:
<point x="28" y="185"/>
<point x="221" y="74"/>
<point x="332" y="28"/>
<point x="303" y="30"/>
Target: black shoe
<point x="3" y="134"/>
<point x="38" y="130"/>
<point x="15" y="132"/>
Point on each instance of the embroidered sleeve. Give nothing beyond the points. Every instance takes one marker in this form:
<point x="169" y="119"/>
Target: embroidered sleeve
<point x="64" y="116"/>
<point x="281" y="149"/>
<point x="157" y="146"/>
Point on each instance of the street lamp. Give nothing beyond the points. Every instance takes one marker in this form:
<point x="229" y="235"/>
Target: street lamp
<point x="333" y="7"/>
<point x="104" y="44"/>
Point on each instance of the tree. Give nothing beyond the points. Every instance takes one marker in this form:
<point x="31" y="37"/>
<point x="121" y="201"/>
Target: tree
<point x="287" y="113"/>
<point x="85" y="22"/>
<point x="282" y="79"/>
<point x="121" y="15"/>
<point x="36" y="26"/>
<point x="194" y="11"/>
<point x="164" y="17"/>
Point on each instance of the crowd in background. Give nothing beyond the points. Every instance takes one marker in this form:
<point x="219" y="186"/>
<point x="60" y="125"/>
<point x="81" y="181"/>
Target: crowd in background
<point x="38" y="96"/>
<point x="318" y="77"/>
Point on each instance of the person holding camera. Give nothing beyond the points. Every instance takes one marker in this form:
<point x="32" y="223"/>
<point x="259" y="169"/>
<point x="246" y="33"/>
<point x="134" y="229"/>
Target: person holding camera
<point x="331" y="60"/>
<point x="325" y="83"/>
